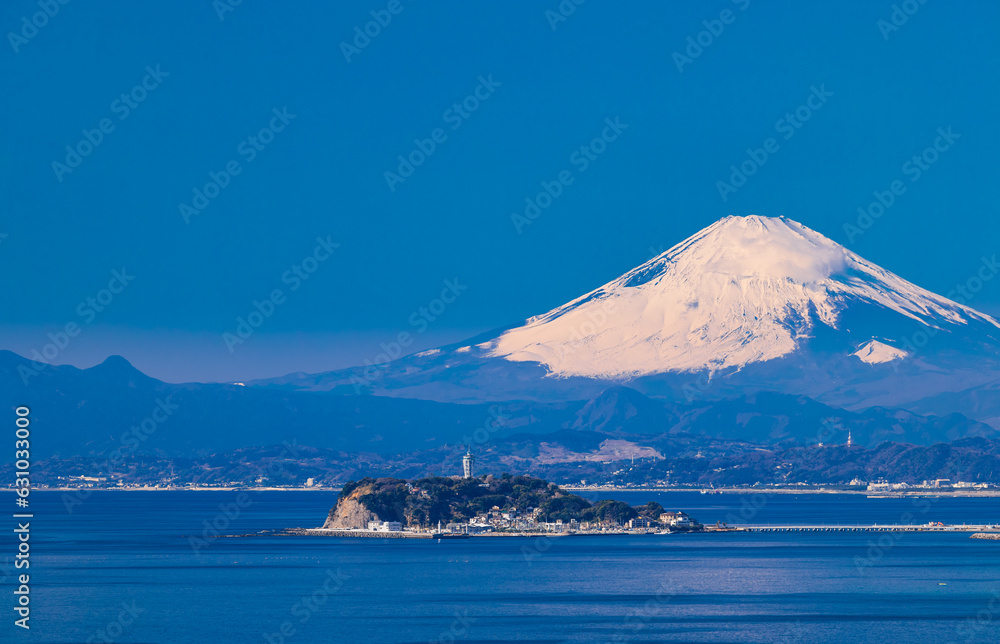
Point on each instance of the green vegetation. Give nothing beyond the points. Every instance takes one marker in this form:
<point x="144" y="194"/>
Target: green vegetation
<point x="423" y="502"/>
<point x="613" y="511"/>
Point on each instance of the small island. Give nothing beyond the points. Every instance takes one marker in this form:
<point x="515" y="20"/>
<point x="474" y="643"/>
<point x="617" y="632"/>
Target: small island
<point x="453" y="507"/>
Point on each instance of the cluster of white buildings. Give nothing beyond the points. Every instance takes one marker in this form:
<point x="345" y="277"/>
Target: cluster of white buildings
<point x="882" y="485"/>
<point x="497" y="520"/>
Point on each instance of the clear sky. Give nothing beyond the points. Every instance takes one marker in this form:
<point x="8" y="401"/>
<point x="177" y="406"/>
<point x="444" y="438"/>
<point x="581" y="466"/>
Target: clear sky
<point x="505" y="94"/>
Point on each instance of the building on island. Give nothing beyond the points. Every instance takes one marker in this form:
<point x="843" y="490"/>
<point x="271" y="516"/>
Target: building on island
<point x="385" y="526"/>
<point x="467" y="462"/>
<point x="675" y="520"/>
<point x="469" y="528"/>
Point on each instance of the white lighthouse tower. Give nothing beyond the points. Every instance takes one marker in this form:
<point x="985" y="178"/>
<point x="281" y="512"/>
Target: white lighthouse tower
<point x="467" y="462"/>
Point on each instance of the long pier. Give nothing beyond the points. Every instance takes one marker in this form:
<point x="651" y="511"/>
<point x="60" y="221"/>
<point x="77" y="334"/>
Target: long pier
<point x="924" y="527"/>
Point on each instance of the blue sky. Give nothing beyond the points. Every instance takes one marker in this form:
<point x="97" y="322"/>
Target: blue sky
<point x="543" y="88"/>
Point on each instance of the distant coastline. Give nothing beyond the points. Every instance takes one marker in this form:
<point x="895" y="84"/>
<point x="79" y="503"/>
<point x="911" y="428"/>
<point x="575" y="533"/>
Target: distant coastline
<point x="234" y="488"/>
<point x="792" y="490"/>
<point x="589" y="488"/>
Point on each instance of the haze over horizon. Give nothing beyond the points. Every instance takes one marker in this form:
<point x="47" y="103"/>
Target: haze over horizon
<point x="659" y="133"/>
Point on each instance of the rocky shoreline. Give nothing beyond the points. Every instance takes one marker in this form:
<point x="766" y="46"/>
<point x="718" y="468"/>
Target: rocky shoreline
<point x="986" y="535"/>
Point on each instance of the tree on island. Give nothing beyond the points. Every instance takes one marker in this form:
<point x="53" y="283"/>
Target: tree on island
<point x="609" y="511"/>
<point x="563" y="508"/>
<point x="427" y="501"/>
<point x="651" y="510"/>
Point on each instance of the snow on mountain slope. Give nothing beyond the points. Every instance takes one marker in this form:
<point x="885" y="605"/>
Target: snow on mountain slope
<point x="743" y="290"/>
<point x="875" y="352"/>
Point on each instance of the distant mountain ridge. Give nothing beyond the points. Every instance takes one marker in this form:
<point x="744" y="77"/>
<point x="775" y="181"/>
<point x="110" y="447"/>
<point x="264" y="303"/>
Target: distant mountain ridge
<point x="113" y="410"/>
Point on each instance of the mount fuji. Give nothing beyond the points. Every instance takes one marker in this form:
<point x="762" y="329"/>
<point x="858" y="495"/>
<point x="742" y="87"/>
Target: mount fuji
<point x="744" y="290"/>
<point x="747" y="304"/>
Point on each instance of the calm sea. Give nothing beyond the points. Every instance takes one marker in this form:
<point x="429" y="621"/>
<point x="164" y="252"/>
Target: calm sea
<point x="122" y="567"/>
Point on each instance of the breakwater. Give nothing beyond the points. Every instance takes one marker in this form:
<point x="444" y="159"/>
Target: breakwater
<point x="994" y="530"/>
<point x="368" y="534"/>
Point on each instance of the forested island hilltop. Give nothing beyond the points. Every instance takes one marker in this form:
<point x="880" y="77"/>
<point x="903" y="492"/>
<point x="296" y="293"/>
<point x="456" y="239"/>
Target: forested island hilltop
<point x="488" y="504"/>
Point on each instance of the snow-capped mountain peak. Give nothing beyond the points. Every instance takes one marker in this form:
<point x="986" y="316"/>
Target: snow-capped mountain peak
<point x="875" y="352"/>
<point x="741" y="291"/>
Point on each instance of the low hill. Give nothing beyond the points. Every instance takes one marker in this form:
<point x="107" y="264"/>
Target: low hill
<point x="424" y="502"/>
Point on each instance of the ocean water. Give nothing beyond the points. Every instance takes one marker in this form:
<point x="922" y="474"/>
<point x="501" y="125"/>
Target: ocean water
<point x="121" y="567"/>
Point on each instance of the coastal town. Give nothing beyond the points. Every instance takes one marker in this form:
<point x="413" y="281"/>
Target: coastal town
<point x="512" y="522"/>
